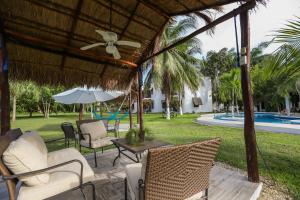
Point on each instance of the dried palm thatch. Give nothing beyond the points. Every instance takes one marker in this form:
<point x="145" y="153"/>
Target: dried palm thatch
<point x="44" y="37"/>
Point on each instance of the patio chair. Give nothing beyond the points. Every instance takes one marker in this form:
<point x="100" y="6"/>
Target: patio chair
<point x="70" y="133"/>
<point x="93" y="135"/>
<point x="172" y="173"/>
<point x="25" y="162"/>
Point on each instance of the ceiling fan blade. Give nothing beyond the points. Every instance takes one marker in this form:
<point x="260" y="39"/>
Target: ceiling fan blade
<point x="116" y="54"/>
<point x="102" y="33"/>
<point x="129" y="43"/>
<point x="92" y="45"/>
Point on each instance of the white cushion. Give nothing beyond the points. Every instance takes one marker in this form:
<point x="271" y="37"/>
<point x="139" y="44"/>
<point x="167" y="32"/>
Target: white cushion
<point x="133" y="174"/>
<point x="35" y="139"/>
<point x="103" y="142"/>
<point x="61" y="179"/>
<point x="96" y="129"/>
<point x="26" y="154"/>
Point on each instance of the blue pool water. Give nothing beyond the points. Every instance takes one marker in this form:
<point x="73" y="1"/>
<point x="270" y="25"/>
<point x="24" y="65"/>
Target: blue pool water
<point x="261" y="117"/>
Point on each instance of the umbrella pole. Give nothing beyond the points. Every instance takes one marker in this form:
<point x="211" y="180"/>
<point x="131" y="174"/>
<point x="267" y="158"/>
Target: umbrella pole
<point x="80" y="111"/>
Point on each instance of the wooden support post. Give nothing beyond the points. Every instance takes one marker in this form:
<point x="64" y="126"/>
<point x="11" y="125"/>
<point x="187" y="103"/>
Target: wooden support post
<point x="137" y="100"/>
<point x="81" y="111"/>
<point x="4" y="86"/>
<point x="140" y="100"/>
<point x="249" y="131"/>
<point x="130" y="111"/>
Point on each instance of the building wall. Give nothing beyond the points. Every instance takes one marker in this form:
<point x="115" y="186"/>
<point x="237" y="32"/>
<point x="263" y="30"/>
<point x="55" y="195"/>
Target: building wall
<point x="204" y="92"/>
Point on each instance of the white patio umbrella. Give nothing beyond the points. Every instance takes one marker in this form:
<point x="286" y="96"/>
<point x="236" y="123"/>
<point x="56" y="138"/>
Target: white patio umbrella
<point x="86" y="96"/>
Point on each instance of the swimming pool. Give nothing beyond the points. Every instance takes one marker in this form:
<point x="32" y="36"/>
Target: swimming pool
<point x="261" y="117"/>
<point x="271" y="122"/>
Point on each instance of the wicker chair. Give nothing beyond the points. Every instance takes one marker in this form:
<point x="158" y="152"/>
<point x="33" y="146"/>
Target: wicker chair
<point x="173" y="173"/>
<point x="101" y="143"/>
<point x="70" y="133"/>
<point x="13" y="179"/>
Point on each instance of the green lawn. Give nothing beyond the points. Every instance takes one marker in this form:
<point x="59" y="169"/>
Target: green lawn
<point x="281" y="151"/>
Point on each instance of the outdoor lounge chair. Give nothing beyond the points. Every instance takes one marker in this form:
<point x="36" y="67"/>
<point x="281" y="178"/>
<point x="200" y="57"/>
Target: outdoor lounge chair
<point x="172" y="173"/>
<point x="70" y="133"/>
<point x="25" y="162"/>
<point x="93" y="135"/>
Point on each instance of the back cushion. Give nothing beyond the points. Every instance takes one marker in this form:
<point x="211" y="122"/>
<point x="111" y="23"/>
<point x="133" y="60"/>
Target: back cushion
<point x="27" y="154"/>
<point x="96" y="129"/>
<point x="35" y="139"/>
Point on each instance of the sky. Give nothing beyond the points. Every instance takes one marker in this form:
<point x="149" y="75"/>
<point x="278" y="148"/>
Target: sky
<point x="263" y="21"/>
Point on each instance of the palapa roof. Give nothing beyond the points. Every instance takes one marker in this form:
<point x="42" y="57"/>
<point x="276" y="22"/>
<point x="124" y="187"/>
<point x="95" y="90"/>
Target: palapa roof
<point x="44" y="37"/>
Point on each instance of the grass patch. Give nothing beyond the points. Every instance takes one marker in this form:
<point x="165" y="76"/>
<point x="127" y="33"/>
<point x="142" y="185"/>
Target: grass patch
<point x="281" y="151"/>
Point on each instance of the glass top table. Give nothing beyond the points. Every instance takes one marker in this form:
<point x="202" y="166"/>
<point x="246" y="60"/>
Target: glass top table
<point x="122" y="146"/>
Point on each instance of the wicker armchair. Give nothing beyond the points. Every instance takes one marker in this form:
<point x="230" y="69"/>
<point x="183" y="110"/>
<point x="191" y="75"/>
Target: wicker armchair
<point x="173" y="173"/>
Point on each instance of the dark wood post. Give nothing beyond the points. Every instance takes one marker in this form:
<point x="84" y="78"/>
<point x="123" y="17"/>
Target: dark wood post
<point x="80" y="111"/>
<point x="249" y="131"/>
<point x="137" y="100"/>
<point x="140" y="100"/>
<point x="4" y="86"/>
<point x="130" y="111"/>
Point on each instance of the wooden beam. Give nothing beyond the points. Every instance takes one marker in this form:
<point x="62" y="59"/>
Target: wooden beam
<point x="249" y="131"/>
<point x="4" y="86"/>
<point x="71" y="34"/>
<point x="205" y="7"/>
<point x="242" y="8"/>
<point x="38" y="42"/>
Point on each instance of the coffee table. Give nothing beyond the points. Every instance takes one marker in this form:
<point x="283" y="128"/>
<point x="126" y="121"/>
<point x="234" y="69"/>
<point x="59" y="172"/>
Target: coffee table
<point x="136" y="150"/>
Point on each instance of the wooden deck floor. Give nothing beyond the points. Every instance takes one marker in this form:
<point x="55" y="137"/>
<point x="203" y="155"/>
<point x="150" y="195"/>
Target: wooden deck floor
<point x="225" y="184"/>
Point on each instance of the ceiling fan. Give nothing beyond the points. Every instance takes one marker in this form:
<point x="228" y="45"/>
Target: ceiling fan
<point x="111" y="40"/>
<point x="111" y="43"/>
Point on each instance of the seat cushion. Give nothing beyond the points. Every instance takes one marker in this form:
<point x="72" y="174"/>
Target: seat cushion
<point x="133" y="174"/>
<point x="103" y="142"/>
<point x="61" y="179"/>
<point x="96" y="129"/>
<point x="27" y="154"/>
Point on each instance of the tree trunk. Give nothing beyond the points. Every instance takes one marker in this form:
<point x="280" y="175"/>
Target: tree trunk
<point x="180" y="104"/>
<point x="237" y="106"/>
<point x="232" y="104"/>
<point x="260" y="106"/>
<point x="287" y="105"/>
<point x="92" y="116"/>
<point x="14" y="108"/>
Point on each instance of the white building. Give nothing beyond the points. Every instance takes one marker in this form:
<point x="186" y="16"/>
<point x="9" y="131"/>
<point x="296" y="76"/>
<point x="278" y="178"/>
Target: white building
<point x="200" y="101"/>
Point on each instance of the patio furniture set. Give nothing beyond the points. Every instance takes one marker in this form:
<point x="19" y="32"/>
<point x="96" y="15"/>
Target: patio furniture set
<point x="164" y="171"/>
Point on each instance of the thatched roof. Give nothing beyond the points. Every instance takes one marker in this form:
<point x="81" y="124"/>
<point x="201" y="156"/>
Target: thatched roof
<point x="44" y="37"/>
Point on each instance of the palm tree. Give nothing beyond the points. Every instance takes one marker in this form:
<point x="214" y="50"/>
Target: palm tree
<point x="177" y="67"/>
<point x="230" y="88"/>
<point x="277" y="75"/>
<point x="290" y="34"/>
